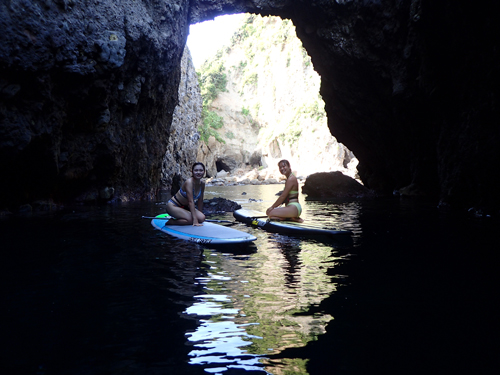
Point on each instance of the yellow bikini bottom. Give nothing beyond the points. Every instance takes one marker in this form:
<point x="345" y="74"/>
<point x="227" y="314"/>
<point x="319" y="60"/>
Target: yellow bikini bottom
<point x="296" y="204"/>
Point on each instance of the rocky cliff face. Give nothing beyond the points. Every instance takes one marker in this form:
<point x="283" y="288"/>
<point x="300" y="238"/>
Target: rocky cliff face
<point x="240" y="135"/>
<point x="88" y="91"/>
<point x="183" y="138"/>
<point x="271" y="107"/>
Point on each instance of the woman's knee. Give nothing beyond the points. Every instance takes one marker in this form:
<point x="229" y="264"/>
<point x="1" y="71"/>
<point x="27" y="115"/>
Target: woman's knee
<point x="200" y="216"/>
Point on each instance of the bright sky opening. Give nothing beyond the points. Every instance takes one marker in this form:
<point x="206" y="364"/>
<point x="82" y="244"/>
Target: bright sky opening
<point x="206" y="38"/>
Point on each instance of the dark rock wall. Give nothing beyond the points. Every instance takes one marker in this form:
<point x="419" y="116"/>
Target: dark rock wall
<point x="88" y="91"/>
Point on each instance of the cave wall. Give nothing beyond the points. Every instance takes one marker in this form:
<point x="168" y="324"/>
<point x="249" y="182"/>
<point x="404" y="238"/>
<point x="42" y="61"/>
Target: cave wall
<point x="183" y="142"/>
<point x="88" y="91"/>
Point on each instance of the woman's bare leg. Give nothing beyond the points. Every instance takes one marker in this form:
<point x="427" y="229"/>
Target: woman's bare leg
<point x="182" y="217"/>
<point x="288" y="212"/>
<point x="200" y="216"/>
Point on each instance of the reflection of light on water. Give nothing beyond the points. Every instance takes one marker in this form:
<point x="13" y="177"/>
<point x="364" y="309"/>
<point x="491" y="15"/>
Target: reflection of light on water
<point x="220" y="342"/>
<point x="249" y="310"/>
<point x="258" y="304"/>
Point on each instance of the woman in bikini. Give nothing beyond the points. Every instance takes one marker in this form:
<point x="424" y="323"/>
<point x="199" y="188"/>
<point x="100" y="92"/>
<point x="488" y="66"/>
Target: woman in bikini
<point x="289" y="196"/>
<point x="182" y="205"/>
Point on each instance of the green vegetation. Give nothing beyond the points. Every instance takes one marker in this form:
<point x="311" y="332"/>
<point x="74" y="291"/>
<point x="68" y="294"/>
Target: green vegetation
<point x="306" y="58"/>
<point x="250" y="79"/>
<point x="260" y="49"/>
<point x="314" y="109"/>
<point x="256" y="108"/>
<point x="212" y="80"/>
<point x="211" y="121"/>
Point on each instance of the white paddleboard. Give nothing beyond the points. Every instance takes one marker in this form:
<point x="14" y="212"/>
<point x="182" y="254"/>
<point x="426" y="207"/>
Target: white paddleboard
<point x="208" y="233"/>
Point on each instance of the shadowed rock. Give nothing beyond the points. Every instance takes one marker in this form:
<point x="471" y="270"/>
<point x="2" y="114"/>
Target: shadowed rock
<point x="219" y="205"/>
<point x="333" y="185"/>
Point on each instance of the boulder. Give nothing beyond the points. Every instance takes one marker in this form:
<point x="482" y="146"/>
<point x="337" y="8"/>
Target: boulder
<point x="218" y="205"/>
<point x="222" y="174"/>
<point x="333" y="185"/>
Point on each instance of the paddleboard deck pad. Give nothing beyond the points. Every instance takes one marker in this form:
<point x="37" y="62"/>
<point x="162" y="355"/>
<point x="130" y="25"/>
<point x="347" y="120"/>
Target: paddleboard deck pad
<point x="207" y="234"/>
<point x="259" y="219"/>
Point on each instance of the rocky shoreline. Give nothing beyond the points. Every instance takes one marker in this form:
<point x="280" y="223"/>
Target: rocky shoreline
<point x="240" y="176"/>
<point x="316" y="186"/>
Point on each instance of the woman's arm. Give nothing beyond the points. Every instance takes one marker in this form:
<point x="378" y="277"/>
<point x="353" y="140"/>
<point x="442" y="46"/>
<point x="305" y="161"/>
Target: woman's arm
<point x="288" y="187"/>
<point x="189" y="191"/>
<point x="200" y="200"/>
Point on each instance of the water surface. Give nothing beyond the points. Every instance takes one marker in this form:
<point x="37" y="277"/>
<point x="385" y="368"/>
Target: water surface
<point x="96" y="290"/>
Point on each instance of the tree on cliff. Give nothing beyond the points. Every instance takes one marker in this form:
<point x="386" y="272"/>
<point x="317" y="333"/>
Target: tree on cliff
<point x="212" y="80"/>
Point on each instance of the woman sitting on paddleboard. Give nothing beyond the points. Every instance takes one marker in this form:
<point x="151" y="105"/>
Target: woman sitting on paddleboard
<point x="182" y="205"/>
<point x="289" y="196"/>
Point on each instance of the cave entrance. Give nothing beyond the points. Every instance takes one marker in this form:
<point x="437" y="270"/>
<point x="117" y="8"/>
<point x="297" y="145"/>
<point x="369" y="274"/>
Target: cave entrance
<point x="258" y="81"/>
<point x="222" y="166"/>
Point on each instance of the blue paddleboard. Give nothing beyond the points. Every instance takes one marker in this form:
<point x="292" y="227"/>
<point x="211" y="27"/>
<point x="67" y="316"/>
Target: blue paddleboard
<point x="208" y="233"/>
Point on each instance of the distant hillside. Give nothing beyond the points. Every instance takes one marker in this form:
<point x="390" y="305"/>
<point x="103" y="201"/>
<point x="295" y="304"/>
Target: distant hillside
<point x="262" y="102"/>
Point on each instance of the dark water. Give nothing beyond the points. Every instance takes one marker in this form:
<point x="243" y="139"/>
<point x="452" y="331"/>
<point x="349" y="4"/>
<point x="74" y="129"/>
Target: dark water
<point x="99" y="291"/>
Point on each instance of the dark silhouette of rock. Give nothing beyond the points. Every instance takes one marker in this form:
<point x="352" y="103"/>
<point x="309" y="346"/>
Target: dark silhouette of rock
<point x="333" y="185"/>
<point x="219" y="205"/>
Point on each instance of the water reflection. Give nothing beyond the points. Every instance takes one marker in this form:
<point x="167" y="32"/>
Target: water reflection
<point x="338" y="213"/>
<point x="257" y="305"/>
<point x="344" y="215"/>
<point x="98" y="290"/>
